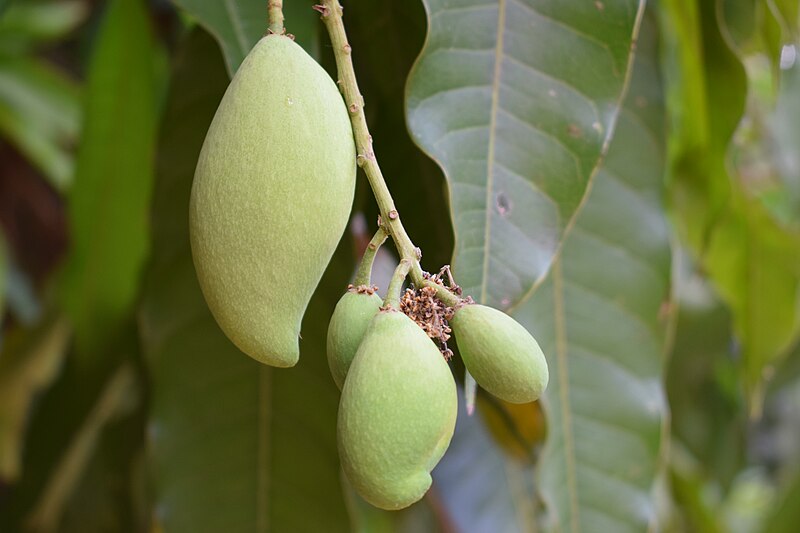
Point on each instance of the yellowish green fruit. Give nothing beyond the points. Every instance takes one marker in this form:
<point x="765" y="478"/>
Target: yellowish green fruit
<point x="500" y="354"/>
<point x="397" y="412"/>
<point x="271" y="197"/>
<point x="349" y="323"/>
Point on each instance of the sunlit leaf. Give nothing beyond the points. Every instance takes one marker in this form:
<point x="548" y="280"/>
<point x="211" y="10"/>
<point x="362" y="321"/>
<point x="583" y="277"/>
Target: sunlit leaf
<point x="755" y="265"/>
<point x="108" y="203"/>
<point x="600" y="319"/>
<point x="236" y="445"/>
<point x="516" y="100"/>
<point x="707" y="86"/>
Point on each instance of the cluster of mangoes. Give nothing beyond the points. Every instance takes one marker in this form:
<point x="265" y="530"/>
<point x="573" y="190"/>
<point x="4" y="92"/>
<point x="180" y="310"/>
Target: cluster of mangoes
<point x="271" y="197"/>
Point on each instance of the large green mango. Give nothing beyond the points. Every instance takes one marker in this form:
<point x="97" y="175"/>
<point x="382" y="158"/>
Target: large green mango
<point x="271" y="197"/>
<point x="397" y="412"/>
<point x="347" y="327"/>
<point x="500" y="354"/>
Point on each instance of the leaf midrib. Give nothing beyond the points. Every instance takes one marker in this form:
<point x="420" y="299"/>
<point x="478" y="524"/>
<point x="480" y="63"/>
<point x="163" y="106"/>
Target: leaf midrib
<point x="498" y="63"/>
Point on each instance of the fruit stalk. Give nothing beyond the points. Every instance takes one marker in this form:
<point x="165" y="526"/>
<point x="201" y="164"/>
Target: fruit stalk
<point x="275" y="17"/>
<point x="395" y="290"/>
<point x="331" y="12"/>
<point x="364" y="274"/>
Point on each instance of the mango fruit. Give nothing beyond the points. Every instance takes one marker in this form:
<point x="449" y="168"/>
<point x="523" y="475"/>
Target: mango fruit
<point x="500" y="354"/>
<point x="397" y="412"/>
<point x="349" y="322"/>
<point x="271" y="197"/>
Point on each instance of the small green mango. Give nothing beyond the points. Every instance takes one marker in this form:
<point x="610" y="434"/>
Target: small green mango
<point x="500" y="354"/>
<point x="349" y="323"/>
<point x="271" y="197"/>
<point x="397" y="412"/>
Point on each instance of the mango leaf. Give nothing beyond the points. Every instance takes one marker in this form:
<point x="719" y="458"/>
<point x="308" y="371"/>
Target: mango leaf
<point x="517" y="100"/>
<point x="237" y="25"/>
<point x="598" y="318"/>
<point x="40" y="114"/>
<point x="707" y="87"/>
<point x="702" y="370"/>
<point x="108" y="204"/>
<point x="755" y="265"/>
<point x="236" y="446"/>
<point x="481" y="488"/>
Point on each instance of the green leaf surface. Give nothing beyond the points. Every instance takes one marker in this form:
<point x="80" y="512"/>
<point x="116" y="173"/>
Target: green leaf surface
<point x="707" y="88"/>
<point x="516" y="100"/>
<point x="480" y="487"/>
<point x="109" y="202"/>
<point x="237" y="25"/>
<point x="236" y="446"/>
<point x="755" y="265"/>
<point x="40" y="114"/>
<point x="702" y="371"/>
<point x="599" y="319"/>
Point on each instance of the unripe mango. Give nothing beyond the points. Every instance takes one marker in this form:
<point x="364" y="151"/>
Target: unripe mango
<point x="397" y="412"/>
<point x="271" y="197"/>
<point x="349" y="322"/>
<point x="500" y="354"/>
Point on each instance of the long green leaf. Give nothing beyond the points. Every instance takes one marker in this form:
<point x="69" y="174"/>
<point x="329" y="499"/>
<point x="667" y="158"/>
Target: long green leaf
<point x="516" y="100"/>
<point x="109" y="201"/>
<point x="597" y="318"/>
<point x="237" y="446"/>
<point x="707" y="86"/>
<point x="755" y="265"/>
<point x="239" y="24"/>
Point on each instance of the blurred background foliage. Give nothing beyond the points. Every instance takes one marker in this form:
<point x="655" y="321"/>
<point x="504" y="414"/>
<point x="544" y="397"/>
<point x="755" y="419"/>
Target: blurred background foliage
<point x="639" y="213"/>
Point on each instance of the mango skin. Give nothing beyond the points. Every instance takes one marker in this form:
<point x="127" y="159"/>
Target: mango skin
<point x="397" y="412"/>
<point x="346" y="330"/>
<point x="500" y="354"/>
<point x="271" y="197"/>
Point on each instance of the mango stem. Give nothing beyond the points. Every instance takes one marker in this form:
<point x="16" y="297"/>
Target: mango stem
<point x="364" y="273"/>
<point x="331" y="12"/>
<point x="275" y="17"/>
<point x="395" y="290"/>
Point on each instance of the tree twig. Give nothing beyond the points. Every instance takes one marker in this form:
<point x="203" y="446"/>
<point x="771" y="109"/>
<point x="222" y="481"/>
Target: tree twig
<point x="331" y="12"/>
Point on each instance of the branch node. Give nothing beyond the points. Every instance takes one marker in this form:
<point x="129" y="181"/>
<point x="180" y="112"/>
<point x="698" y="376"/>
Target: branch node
<point x="393" y="214"/>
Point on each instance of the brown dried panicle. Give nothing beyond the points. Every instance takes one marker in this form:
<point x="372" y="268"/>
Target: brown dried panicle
<point x="422" y="306"/>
